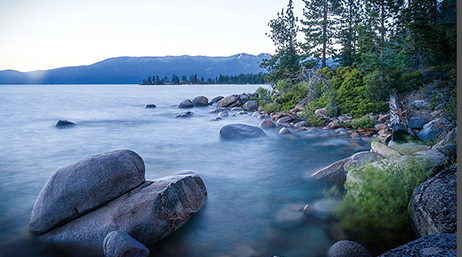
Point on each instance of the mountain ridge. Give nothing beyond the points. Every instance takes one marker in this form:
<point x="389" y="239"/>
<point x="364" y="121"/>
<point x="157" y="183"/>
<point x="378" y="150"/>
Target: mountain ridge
<point x="133" y="69"/>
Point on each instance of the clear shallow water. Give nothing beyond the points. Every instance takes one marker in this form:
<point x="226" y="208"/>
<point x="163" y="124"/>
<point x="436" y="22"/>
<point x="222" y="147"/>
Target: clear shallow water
<point x="253" y="185"/>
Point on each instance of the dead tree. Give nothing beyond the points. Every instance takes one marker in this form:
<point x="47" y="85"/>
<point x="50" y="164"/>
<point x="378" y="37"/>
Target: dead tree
<point x="399" y="119"/>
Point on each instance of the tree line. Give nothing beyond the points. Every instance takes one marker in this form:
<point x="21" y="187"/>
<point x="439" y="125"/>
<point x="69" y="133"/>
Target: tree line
<point x="194" y="79"/>
<point x="379" y="47"/>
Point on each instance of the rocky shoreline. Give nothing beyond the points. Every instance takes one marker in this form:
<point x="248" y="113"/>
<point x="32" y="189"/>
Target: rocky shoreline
<point x="433" y="204"/>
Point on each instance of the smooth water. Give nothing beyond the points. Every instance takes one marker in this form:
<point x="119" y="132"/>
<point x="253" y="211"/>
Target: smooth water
<point x="254" y="186"/>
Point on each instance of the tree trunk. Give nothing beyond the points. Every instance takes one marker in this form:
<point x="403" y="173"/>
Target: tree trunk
<point x="399" y="118"/>
<point x="324" y="35"/>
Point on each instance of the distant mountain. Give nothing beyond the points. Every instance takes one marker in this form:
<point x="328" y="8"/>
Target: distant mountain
<point x="132" y="70"/>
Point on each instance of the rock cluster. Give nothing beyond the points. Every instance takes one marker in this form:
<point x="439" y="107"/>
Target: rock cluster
<point x="82" y="204"/>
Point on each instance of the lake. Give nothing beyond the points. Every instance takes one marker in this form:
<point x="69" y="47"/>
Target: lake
<point x="254" y="186"/>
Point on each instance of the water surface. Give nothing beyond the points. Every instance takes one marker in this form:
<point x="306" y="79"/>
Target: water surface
<point x="253" y="186"/>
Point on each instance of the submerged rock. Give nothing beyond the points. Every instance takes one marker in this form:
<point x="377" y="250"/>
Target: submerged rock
<point x="64" y="123"/>
<point x="235" y="131"/>
<point x="433" y="205"/>
<point x="215" y="99"/>
<point x="184" y="114"/>
<point x="75" y="190"/>
<point x="267" y="124"/>
<point x="150" y="106"/>
<point x="346" y="248"/>
<point x="186" y="104"/>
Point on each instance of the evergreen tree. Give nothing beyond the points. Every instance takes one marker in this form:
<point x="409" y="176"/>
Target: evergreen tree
<point x="319" y="28"/>
<point x="350" y="17"/>
<point x="283" y="33"/>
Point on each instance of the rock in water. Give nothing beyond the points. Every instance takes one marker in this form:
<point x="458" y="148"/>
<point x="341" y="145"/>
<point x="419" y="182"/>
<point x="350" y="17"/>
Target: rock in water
<point x="64" y="123"/>
<point x="346" y="248"/>
<point x="234" y="131"/>
<point x="200" y="101"/>
<point x="186" y="104"/>
<point x="81" y="187"/>
<point x="433" y="205"/>
<point x="150" y="106"/>
<point x="119" y="244"/>
<point x="148" y="213"/>
<point x="434" y="245"/>
<point x="229" y="101"/>
<point x="251" y="106"/>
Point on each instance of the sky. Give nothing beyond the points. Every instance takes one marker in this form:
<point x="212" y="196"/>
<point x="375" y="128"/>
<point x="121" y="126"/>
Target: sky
<point x="46" y="34"/>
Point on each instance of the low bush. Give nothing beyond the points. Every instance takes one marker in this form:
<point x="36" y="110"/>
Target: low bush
<point x="377" y="206"/>
<point x="363" y="122"/>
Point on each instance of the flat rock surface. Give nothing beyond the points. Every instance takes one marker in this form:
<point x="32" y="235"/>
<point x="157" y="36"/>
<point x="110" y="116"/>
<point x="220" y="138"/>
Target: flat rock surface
<point x="435" y="245"/>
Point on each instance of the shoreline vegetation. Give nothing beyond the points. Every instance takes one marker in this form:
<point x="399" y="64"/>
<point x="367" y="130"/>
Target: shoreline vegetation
<point x="250" y="78"/>
<point x="396" y="80"/>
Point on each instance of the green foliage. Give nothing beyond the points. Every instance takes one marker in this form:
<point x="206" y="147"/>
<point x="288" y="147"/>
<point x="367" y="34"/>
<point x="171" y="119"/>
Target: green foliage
<point x="378" y="86"/>
<point x="363" y="122"/>
<point x="409" y="81"/>
<point x="451" y="107"/>
<point x="377" y="206"/>
<point x="308" y="113"/>
<point x="272" y="107"/>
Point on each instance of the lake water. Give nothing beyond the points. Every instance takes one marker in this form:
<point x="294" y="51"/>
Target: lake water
<point x="253" y="185"/>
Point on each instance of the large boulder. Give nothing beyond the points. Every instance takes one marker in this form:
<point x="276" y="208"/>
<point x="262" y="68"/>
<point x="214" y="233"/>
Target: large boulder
<point x="77" y="189"/>
<point x="215" y="99"/>
<point x="346" y="248"/>
<point x="433" y="205"/>
<point x="235" y="131"/>
<point x="410" y="148"/>
<point x="417" y="122"/>
<point x="434" y="245"/>
<point x="148" y="213"/>
<point x="384" y="150"/>
<point x="251" y="105"/>
<point x="119" y="244"/>
<point x="433" y="129"/>
<point x="448" y="143"/>
<point x="186" y="104"/>
<point x="200" y="101"/>
<point x="360" y="159"/>
<point x="64" y="124"/>
<point x="229" y="101"/>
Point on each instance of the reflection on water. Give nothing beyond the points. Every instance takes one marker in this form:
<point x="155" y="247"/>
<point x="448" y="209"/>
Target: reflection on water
<point x="255" y="187"/>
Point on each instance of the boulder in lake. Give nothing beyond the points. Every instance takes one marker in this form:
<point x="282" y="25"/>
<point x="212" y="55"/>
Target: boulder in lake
<point x="215" y="99"/>
<point x="150" y="106"/>
<point x="236" y="131"/>
<point x="77" y="189"/>
<point x="184" y="114"/>
<point x="251" y="105"/>
<point x="347" y="248"/>
<point x="229" y="101"/>
<point x="434" y="245"/>
<point x="267" y="124"/>
<point x="64" y="124"/>
<point x="433" y="205"/>
<point x="119" y="244"/>
<point x="186" y="104"/>
<point x="284" y="131"/>
<point x="333" y="174"/>
<point x="200" y="101"/>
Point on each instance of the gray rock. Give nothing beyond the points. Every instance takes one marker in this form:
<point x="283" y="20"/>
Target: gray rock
<point x="119" y="244"/>
<point x="184" y="114"/>
<point x="284" y="131"/>
<point x="150" y="106"/>
<point x="433" y="160"/>
<point x="236" y="109"/>
<point x="186" y="104"/>
<point x="421" y="105"/>
<point x="200" y="101"/>
<point x="77" y="189"/>
<point x="243" y="98"/>
<point x="333" y="174"/>
<point x="361" y="158"/>
<point x="417" y="122"/>
<point x="215" y="99"/>
<point x="235" y="131"/>
<point x="216" y="119"/>
<point x="148" y="213"/>
<point x="346" y="248"/>
<point x="64" y="124"/>
<point x="322" y="112"/>
<point x="229" y="101"/>
<point x="223" y="114"/>
<point x="434" y="245"/>
<point x="251" y="105"/>
<point x="284" y="120"/>
<point x="433" y="129"/>
<point x="267" y="124"/>
<point x="449" y="150"/>
<point x="383" y="150"/>
<point x="433" y="205"/>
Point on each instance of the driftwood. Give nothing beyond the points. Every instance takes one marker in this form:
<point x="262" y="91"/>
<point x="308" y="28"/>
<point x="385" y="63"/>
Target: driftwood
<point x="399" y="118"/>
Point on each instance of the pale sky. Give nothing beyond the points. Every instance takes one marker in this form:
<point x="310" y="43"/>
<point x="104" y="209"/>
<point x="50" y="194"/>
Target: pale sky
<point x="46" y="34"/>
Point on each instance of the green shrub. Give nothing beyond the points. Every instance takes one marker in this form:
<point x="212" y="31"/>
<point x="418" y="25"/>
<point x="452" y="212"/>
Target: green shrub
<point x="272" y="107"/>
<point x="451" y="107"/>
<point x="409" y="81"/>
<point x="308" y="113"/>
<point x="377" y="206"/>
<point x="363" y="122"/>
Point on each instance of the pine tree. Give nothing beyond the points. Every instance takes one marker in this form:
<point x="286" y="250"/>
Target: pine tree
<point x="283" y="33"/>
<point x="320" y="28"/>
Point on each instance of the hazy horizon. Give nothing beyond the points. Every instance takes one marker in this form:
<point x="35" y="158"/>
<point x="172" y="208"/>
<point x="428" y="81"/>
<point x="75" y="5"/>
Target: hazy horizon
<point x="48" y="34"/>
